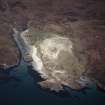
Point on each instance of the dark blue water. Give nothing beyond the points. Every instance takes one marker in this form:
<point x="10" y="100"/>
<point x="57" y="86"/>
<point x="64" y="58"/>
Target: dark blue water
<point x="20" y="88"/>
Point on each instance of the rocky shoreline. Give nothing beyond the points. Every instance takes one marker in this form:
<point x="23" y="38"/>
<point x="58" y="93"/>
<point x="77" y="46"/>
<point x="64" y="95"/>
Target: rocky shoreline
<point x="46" y="83"/>
<point x="83" y="82"/>
<point x="52" y="84"/>
<point x="84" y="21"/>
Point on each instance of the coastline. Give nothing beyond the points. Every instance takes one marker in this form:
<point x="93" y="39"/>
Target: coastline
<point x="20" y="55"/>
<point x="46" y="85"/>
<point x="32" y="51"/>
<point x="16" y="33"/>
<point x="47" y="82"/>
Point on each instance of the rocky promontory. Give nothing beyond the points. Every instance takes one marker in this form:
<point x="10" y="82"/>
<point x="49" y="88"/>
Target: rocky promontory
<point x="82" y="22"/>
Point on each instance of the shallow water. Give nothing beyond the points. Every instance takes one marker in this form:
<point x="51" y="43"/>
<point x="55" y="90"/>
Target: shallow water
<point x="22" y="89"/>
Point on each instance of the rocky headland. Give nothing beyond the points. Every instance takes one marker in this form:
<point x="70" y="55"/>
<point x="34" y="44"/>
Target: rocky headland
<point x="81" y="22"/>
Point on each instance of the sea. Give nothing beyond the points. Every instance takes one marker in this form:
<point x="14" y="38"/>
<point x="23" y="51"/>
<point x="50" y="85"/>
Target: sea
<point x="18" y="86"/>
